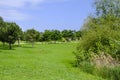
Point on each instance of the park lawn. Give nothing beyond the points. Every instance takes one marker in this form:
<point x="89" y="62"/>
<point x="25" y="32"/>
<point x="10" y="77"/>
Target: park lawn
<point x="43" y="62"/>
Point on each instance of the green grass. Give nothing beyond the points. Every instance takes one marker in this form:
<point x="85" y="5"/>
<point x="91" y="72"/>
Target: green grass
<point x="44" y="62"/>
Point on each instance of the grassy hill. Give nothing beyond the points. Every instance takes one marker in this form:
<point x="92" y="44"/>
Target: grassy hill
<point x="44" y="62"/>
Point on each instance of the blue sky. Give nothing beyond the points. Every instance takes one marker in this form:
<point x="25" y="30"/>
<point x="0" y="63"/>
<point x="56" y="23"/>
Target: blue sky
<point x="46" y="14"/>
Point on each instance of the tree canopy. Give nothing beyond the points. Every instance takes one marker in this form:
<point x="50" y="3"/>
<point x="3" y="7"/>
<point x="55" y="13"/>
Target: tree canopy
<point x="9" y="32"/>
<point x="101" y="31"/>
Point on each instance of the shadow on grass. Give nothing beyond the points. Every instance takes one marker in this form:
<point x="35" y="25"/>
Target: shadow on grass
<point x="69" y="63"/>
<point x="6" y="47"/>
<point x="73" y="64"/>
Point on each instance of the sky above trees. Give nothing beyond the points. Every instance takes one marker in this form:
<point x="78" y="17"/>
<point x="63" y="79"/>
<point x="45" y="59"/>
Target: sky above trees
<point x="46" y="14"/>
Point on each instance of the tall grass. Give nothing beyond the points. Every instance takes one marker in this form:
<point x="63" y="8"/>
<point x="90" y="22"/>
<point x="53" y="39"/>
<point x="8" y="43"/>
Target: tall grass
<point x="110" y="73"/>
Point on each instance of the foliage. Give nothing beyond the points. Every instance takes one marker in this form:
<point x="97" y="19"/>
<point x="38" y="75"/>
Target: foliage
<point x="101" y="34"/>
<point x="9" y="32"/>
<point x="3" y="30"/>
<point x="31" y="35"/>
<point x="47" y="35"/>
<point x="105" y="7"/>
<point x="55" y="35"/>
<point x="13" y="32"/>
<point x="68" y="34"/>
<point x="78" y="34"/>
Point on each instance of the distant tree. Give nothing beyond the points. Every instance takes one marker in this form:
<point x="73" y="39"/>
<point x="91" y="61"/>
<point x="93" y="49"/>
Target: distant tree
<point x="68" y="34"/>
<point x="47" y="35"/>
<point x="31" y="35"/>
<point x="20" y="36"/>
<point x="55" y="35"/>
<point x="38" y="36"/>
<point x="41" y="39"/>
<point x="78" y="34"/>
<point x="72" y="34"/>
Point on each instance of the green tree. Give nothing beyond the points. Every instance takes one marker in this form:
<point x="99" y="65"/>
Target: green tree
<point x="101" y="32"/>
<point x="68" y="34"/>
<point x="2" y="30"/>
<point x="55" y="35"/>
<point x="78" y="34"/>
<point x="31" y="35"/>
<point x="12" y="33"/>
<point x="107" y="7"/>
<point x="47" y="35"/>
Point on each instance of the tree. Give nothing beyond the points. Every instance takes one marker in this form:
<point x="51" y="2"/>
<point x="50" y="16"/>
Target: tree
<point x="55" y="35"/>
<point x="78" y="34"/>
<point x="47" y="35"/>
<point x="9" y="32"/>
<point x="107" y="7"/>
<point x="20" y="36"/>
<point x="101" y="32"/>
<point x="2" y="30"/>
<point x="68" y="34"/>
<point x="32" y="35"/>
<point x="12" y="33"/>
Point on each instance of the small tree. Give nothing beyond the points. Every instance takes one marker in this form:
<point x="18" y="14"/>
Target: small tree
<point x="31" y="35"/>
<point x="12" y="33"/>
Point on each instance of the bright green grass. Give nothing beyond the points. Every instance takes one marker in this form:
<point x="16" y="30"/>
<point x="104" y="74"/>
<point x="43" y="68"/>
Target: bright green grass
<point x="44" y="62"/>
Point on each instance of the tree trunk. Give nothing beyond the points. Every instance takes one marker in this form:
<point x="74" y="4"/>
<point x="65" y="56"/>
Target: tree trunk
<point x="32" y="44"/>
<point x="18" y="42"/>
<point x="10" y="46"/>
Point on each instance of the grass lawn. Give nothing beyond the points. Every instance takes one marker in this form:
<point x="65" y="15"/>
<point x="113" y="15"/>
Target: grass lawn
<point x="44" y="62"/>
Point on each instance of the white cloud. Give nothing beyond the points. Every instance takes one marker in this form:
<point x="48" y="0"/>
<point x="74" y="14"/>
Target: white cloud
<point x="9" y="9"/>
<point x="22" y="3"/>
<point x="19" y="3"/>
<point x="13" y="15"/>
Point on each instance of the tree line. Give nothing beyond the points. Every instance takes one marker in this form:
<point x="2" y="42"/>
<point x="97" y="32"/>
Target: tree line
<point x="51" y="35"/>
<point x="10" y="32"/>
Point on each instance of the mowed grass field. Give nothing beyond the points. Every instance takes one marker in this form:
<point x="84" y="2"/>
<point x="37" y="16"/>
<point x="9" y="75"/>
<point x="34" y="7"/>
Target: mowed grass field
<point x="43" y="62"/>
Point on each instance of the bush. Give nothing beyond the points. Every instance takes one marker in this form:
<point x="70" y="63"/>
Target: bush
<point x="100" y="39"/>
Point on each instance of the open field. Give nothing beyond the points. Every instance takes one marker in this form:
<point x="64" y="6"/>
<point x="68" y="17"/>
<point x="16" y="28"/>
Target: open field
<point x="44" y="62"/>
